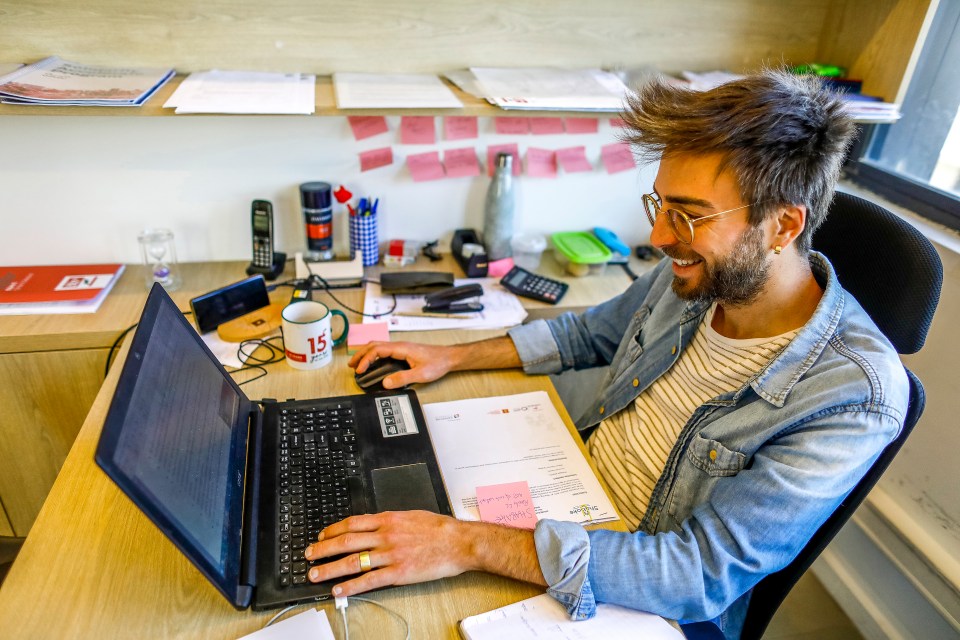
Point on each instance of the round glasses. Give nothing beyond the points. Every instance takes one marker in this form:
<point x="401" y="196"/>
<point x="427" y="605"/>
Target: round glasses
<point x="680" y="223"/>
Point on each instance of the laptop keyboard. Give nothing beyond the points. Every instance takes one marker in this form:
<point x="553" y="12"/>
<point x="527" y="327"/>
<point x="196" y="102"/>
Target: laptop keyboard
<point x="318" y="478"/>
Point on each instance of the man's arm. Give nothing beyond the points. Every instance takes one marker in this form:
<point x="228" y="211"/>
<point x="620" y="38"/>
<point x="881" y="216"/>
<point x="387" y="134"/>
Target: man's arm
<point x="430" y="362"/>
<point x="417" y="546"/>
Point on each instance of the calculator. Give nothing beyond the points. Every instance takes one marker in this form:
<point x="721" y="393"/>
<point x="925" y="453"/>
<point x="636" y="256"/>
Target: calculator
<point x="530" y="285"/>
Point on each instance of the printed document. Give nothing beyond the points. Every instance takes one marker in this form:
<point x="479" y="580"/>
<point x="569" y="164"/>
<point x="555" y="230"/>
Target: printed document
<point x="565" y="89"/>
<point x="239" y="92"/>
<point x="485" y="441"/>
<point x="392" y="91"/>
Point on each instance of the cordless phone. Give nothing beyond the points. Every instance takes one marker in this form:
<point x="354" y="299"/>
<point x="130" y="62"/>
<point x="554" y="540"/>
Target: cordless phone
<point x="265" y="261"/>
<point x="529" y="285"/>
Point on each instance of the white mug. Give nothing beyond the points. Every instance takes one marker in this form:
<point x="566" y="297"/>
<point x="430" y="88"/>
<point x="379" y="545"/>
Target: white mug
<point x="307" y="335"/>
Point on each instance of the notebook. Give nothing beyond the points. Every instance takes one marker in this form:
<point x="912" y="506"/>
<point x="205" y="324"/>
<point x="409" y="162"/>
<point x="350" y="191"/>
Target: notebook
<point x="240" y="486"/>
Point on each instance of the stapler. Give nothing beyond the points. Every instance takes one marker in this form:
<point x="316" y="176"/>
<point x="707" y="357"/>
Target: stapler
<point x="448" y="300"/>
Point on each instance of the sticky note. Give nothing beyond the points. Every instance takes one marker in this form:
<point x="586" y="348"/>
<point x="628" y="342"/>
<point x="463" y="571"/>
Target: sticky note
<point x="376" y="158"/>
<point x="361" y="334"/>
<point x="617" y="122"/>
<point x="574" y="159"/>
<point x="367" y="126"/>
<point x="461" y="163"/>
<point x="494" y="149"/>
<point x="541" y="163"/>
<point x="617" y="157"/>
<point x="417" y="130"/>
<point x="545" y="126"/>
<point x="511" y="126"/>
<point x="582" y="125"/>
<point x="460" y="127"/>
<point x="425" y="166"/>
<point x="508" y="504"/>
<point x="499" y="268"/>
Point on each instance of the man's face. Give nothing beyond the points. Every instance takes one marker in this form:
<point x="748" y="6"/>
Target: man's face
<point x="727" y="260"/>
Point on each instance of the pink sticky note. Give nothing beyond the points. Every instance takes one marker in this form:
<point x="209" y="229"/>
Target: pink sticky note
<point x="376" y="158"/>
<point x="494" y="149"/>
<point x="541" y="163"/>
<point x="461" y="163"/>
<point x="499" y="268"/>
<point x="617" y="157"/>
<point x="617" y="122"/>
<point x="417" y="130"/>
<point x="512" y="126"/>
<point x="460" y="127"/>
<point x="425" y="166"/>
<point x="367" y="126"/>
<point x="508" y="504"/>
<point x="544" y="126"/>
<point x="582" y="125"/>
<point x="361" y="334"/>
<point x="574" y="159"/>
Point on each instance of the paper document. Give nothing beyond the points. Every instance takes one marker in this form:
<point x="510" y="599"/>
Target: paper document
<point x="544" y="618"/>
<point x="486" y="441"/>
<point x="309" y="625"/>
<point x="383" y="91"/>
<point x="564" y="89"/>
<point x="237" y="92"/>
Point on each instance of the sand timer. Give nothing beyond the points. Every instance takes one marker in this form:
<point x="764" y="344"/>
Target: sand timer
<point x="160" y="258"/>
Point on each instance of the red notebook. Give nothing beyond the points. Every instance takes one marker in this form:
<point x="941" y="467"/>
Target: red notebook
<point x="77" y="288"/>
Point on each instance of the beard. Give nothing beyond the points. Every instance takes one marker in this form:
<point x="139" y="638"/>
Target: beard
<point x="735" y="279"/>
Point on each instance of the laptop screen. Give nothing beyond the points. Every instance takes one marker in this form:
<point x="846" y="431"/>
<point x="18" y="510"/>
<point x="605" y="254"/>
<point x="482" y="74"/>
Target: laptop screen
<point x="173" y="441"/>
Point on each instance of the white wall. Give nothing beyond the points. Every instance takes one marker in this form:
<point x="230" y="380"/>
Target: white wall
<point x="79" y="189"/>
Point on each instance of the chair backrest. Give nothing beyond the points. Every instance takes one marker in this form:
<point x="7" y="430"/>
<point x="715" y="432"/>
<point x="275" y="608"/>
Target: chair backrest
<point x="895" y="274"/>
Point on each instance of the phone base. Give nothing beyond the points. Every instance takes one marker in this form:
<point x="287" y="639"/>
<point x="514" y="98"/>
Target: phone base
<point x="270" y="273"/>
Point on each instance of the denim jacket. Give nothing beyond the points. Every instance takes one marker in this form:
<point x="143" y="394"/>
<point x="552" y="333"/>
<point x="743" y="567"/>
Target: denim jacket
<point x="753" y="473"/>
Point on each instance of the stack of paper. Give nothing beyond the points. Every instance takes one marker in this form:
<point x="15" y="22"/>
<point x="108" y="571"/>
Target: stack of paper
<point x="238" y="92"/>
<point x="862" y="107"/>
<point x="56" y="289"/>
<point x="551" y="89"/>
<point x="57" y="82"/>
<point x="383" y="91"/>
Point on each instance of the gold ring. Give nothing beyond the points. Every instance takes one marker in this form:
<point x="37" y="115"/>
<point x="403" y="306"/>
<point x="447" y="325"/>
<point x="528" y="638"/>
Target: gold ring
<point x="365" y="561"/>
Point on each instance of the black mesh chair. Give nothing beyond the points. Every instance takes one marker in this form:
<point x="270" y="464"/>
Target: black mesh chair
<point x="895" y="274"/>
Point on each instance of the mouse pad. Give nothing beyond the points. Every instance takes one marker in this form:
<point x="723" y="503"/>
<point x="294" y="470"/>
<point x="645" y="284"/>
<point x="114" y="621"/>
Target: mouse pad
<point x="404" y="488"/>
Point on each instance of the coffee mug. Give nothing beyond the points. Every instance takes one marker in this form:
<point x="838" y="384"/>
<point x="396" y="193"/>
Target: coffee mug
<point x="307" y="335"/>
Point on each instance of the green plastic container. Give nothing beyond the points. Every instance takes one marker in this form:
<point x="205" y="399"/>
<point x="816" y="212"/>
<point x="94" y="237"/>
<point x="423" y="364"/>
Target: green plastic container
<point x="580" y="252"/>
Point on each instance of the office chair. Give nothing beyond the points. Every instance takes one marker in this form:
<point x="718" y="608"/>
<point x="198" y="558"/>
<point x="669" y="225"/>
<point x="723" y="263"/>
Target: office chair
<point x="895" y="274"/>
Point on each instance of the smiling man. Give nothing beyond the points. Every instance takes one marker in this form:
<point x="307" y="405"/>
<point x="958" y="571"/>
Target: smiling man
<point x="746" y="391"/>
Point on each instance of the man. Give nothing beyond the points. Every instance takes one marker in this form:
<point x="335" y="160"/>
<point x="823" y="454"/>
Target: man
<point x="747" y="393"/>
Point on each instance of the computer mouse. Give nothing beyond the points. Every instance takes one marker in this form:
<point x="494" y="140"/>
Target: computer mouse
<point x="371" y="380"/>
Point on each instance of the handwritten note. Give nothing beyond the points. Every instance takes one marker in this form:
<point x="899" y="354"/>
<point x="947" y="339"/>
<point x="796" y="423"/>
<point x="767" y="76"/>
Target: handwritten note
<point x="582" y="125"/>
<point x="376" y="158"/>
<point x="494" y="149"/>
<point x="574" y="160"/>
<point x="417" y="130"/>
<point x="512" y="126"/>
<point x="617" y="157"/>
<point x="545" y="126"/>
<point x="617" y="122"/>
<point x="367" y="126"/>
<point x="541" y="163"/>
<point x="461" y="163"/>
<point x="460" y="127"/>
<point x="508" y="504"/>
<point x="425" y="166"/>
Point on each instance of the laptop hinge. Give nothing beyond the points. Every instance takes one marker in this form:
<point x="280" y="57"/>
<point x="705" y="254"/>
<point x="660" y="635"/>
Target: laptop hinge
<point x="251" y="501"/>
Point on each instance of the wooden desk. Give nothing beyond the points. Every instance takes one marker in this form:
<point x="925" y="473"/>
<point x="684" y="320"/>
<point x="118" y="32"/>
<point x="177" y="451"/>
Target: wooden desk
<point x="51" y="367"/>
<point x="93" y="566"/>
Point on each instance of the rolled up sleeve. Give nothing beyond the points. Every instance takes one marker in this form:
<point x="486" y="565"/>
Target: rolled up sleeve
<point x="563" y="550"/>
<point x="537" y="347"/>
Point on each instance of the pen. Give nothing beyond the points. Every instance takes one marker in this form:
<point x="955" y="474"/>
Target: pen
<point x="427" y="314"/>
<point x="373" y="209"/>
<point x="362" y="207"/>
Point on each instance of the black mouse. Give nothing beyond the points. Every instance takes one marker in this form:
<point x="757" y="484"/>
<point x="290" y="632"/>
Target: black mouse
<point x="371" y="380"/>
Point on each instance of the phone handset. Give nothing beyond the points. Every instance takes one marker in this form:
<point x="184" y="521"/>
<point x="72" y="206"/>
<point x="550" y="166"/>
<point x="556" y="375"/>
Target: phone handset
<point x="265" y="260"/>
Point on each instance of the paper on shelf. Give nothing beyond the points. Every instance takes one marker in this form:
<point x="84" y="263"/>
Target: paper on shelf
<point x="245" y="92"/>
<point x="392" y="91"/>
<point x="486" y="441"/>
<point x="545" y="88"/>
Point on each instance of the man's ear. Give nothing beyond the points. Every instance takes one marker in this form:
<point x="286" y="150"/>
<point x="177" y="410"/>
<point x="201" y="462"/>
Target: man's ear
<point x="788" y="223"/>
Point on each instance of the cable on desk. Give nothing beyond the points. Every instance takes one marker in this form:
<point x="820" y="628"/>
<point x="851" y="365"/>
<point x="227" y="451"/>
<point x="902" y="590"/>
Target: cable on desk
<point x="276" y="355"/>
<point x="318" y="283"/>
<point x="343" y="610"/>
<point x="113" y="347"/>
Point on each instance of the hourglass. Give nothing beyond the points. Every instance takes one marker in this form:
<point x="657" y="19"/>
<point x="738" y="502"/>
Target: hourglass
<point x="160" y="258"/>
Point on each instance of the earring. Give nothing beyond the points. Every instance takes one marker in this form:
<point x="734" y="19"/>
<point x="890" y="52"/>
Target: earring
<point x="777" y="249"/>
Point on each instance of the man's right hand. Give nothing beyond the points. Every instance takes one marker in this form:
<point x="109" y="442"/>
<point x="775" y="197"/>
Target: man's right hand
<point x="427" y="362"/>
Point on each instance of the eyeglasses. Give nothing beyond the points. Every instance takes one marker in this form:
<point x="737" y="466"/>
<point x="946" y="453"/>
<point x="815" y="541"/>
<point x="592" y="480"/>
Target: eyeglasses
<point x="680" y="223"/>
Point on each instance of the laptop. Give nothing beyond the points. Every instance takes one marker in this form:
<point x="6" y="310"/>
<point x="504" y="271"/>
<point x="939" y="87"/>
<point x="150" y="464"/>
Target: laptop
<point x="240" y="486"/>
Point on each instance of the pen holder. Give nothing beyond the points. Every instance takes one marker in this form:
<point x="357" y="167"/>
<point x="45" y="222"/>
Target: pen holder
<point x="363" y="237"/>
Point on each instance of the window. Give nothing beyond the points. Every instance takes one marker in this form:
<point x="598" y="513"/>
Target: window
<point x="915" y="162"/>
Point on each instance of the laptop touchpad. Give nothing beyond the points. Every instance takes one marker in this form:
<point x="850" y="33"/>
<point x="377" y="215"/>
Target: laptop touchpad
<point x="404" y="488"/>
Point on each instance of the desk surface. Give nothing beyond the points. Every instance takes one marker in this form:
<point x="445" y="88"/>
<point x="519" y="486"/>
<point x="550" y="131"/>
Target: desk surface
<point x="94" y="566"/>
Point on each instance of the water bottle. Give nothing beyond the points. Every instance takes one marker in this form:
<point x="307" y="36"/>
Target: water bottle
<point x="498" y="210"/>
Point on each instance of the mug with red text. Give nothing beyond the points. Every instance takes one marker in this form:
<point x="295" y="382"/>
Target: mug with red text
<point x="308" y="340"/>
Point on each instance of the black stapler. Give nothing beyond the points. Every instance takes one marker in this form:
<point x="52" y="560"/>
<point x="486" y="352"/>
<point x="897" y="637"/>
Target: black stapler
<point x="448" y="300"/>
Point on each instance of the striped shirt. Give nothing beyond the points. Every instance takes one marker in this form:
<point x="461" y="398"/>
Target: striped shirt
<point x="631" y="447"/>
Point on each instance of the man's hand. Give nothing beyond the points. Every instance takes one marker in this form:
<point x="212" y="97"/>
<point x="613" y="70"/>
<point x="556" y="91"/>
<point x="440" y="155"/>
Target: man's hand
<point x="406" y="547"/>
<point x="427" y="362"/>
